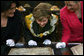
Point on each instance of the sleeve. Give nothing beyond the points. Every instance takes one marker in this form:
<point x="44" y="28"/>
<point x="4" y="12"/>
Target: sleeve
<point x="65" y="30"/>
<point x="27" y="34"/>
<point x="56" y="34"/>
<point x="58" y="31"/>
<point x="17" y="27"/>
<point x="52" y="36"/>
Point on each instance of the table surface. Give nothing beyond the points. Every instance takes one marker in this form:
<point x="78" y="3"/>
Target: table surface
<point x="62" y="51"/>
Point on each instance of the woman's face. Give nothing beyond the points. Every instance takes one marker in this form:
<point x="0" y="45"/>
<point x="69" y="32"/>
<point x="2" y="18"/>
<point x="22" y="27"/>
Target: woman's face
<point x="42" y="21"/>
<point x="72" y="6"/>
<point x="10" y="12"/>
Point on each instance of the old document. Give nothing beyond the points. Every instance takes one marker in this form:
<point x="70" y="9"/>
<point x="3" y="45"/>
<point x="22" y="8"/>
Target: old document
<point x="32" y="51"/>
<point x="77" y="50"/>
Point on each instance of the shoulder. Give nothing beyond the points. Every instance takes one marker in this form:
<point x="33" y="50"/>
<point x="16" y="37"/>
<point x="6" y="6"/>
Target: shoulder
<point x="63" y="11"/>
<point x="28" y="16"/>
<point x="17" y="13"/>
<point x="17" y="16"/>
<point x="54" y="19"/>
<point x="54" y="16"/>
<point x="29" y="20"/>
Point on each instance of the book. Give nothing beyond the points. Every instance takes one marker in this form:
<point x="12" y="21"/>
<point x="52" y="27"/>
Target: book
<point x="77" y="50"/>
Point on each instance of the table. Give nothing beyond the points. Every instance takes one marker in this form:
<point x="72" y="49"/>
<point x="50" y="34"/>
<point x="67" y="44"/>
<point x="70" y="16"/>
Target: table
<point x="63" y="51"/>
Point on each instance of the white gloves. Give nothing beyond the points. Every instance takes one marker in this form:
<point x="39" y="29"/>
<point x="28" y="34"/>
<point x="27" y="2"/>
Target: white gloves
<point x="32" y="43"/>
<point x="47" y="42"/>
<point x="61" y="45"/>
<point x="10" y="42"/>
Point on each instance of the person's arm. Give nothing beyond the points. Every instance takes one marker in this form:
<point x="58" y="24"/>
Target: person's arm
<point x="27" y="34"/>
<point x="65" y="34"/>
<point x="15" y="30"/>
<point x="17" y="27"/>
<point x="65" y="31"/>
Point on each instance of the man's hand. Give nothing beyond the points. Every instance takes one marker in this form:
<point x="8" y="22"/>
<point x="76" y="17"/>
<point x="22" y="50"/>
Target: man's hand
<point x="10" y="42"/>
<point x="61" y="45"/>
<point x="32" y="43"/>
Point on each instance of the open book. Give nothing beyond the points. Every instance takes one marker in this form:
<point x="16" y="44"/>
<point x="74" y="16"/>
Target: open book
<point x="77" y="50"/>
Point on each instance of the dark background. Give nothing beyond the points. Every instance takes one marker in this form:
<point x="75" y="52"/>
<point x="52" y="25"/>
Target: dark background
<point x="60" y="4"/>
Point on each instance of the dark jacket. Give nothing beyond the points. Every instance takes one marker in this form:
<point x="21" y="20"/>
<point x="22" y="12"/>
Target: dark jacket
<point x="13" y="29"/>
<point x="37" y="29"/>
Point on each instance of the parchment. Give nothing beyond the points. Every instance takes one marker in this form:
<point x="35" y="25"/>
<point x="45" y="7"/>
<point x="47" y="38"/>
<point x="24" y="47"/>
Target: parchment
<point x="32" y="51"/>
<point x="77" y="50"/>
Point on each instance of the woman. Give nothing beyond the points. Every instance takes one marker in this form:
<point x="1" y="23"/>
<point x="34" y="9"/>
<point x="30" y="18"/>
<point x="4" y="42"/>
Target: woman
<point x="40" y="25"/>
<point x="72" y="20"/>
<point x="10" y="26"/>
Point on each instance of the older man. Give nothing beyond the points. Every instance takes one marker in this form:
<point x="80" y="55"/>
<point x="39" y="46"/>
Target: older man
<point x="72" y="21"/>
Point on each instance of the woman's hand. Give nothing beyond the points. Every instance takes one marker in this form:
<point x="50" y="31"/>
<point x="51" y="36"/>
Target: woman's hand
<point x="47" y="42"/>
<point x="61" y="45"/>
<point x="10" y="42"/>
<point x="32" y="43"/>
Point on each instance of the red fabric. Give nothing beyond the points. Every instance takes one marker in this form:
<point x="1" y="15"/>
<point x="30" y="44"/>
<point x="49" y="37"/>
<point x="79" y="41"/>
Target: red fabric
<point x="72" y="27"/>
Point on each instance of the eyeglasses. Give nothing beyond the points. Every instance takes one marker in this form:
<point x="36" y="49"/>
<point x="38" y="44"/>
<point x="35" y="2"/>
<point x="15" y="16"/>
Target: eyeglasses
<point x="14" y="8"/>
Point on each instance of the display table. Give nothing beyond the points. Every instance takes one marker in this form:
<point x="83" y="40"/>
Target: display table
<point x="41" y="50"/>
